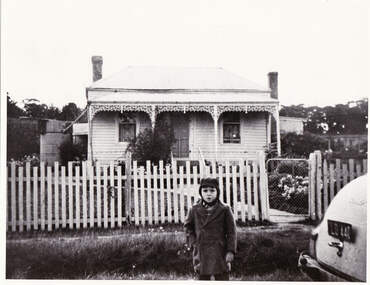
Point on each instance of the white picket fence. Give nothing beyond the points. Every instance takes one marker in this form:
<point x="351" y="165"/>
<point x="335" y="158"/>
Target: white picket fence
<point x="328" y="178"/>
<point x="48" y="198"/>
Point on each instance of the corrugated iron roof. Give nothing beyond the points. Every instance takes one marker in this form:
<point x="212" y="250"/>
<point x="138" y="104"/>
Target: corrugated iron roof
<point x="137" y="96"/>
<point x="176" y="78"/>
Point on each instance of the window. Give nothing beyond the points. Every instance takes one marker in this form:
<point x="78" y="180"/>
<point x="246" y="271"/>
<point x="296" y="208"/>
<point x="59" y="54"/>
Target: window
<point x="231" y="128"/>
<point x="126" y="128"/>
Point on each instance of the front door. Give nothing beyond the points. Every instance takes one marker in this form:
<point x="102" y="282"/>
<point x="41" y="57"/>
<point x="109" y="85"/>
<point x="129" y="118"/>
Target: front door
<point x="180" y="124"/>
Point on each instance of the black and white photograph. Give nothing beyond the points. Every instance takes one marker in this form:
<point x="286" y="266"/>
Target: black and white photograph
<point x="184" y="140"/>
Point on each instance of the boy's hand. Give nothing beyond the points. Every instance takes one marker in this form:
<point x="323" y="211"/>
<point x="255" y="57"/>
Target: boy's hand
<point x="229" y="257"/>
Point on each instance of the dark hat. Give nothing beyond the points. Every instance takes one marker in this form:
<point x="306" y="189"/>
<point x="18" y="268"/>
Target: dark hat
<point x="209" y="182"/>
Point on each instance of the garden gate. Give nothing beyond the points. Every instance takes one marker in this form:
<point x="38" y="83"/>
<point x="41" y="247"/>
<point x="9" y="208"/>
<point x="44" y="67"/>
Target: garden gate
<point x="288" y="189"/>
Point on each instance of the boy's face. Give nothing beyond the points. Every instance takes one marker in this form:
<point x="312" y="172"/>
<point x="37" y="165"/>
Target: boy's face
<point x="209" y="194"/>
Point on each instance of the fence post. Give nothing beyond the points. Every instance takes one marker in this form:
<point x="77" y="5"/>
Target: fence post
<point x="263" y="187"/>
<point x="312" y="184"/>
<point x="319" y="182"/>
<point x="127" y="193"/>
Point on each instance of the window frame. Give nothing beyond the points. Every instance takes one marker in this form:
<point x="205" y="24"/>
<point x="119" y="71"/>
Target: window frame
<point x="133" y="120"/>
<point x="227" y="122"/>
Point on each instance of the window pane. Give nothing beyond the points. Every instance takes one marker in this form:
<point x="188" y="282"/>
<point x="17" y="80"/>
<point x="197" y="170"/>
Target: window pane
<point x="126" y="132"/>
<point x="231" y="133"/>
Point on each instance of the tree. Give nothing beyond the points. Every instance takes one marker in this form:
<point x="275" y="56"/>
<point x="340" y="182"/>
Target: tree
<point x="350" y="118"/>
<point x="52" y="113"/>
<point x="13" y="110"/>
<point x="294" y="111"/>
<point x="70" y="112"/>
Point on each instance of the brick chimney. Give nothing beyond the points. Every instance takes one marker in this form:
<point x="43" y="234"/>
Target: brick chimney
<point x="97" y="63"/>
<point x="273" y="84"/>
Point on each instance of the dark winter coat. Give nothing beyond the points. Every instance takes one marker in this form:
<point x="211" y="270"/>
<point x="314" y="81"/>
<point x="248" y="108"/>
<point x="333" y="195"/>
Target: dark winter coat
<point x="211" y="236"/>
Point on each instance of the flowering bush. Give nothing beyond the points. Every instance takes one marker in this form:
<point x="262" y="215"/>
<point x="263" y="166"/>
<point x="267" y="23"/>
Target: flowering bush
<point x="33" y="159"/>
<point x="293" y="187"/>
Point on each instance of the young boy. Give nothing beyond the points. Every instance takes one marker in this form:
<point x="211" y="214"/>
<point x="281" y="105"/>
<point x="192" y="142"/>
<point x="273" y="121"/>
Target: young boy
<point x="211" y="232"/>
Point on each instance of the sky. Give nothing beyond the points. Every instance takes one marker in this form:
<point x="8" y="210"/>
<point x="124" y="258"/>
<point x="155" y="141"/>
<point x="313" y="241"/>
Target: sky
<point x="320" y="48"/>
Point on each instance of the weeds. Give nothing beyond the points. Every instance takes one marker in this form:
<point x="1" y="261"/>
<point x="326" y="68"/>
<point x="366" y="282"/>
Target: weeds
<point x="149" y="255"/>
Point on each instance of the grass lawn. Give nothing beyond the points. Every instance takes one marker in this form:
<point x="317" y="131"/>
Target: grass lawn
<point x="266" y="253"/>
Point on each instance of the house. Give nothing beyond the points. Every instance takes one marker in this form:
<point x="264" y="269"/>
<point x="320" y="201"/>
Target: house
<point x="216" y="115"/>
<point x="291" y="125"/>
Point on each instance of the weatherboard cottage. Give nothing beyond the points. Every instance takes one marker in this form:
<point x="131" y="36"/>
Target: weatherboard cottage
<point x="215" y="114"/>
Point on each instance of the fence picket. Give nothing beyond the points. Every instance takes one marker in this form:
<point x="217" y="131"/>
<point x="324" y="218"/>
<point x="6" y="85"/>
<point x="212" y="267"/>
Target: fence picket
<point x="128" y="189"/>
<point x="119" y="195"/>
<point x="338" y="174"/>
<point x="161" y="185"/>
<point x="20" y="199"/>
<point x="136" y="194"/>
<point x="345" y="174"/>
<point x="325" y="184"/>
<point x="105" y="196"/>
<point x="42" y="195"/>
<point x="168" y="188"/>
<point x="98" y="195"/>
<point x="213" y="165"/>
<point x="207" y="171"/>
<point x="28" y="196"/>
<point x="351" y="169"/>
<point x="332" y="180"/>
<point x="235" y="192"/>
<point x="358" y="170"/>
<point x="201" y="170"/>
<point x="182" y="198"/>
<point x="227" y="174"/>
<point x="263" y="187"/>
<point x="188" y="187"/>
<point x="255" y="191"/>
<point x="155" y="193"/>
<point x="220" y="182"/>
<point x="70" y="195"/>
<point x="64" y="212"/>
<point x="12" y="198"/>
<point x="142" y="196"/>
<point x="112" y="193"/>
<point x="56" y="194"/>
<point x="50" y="198"/>
<point x="77" y="197"/>
<point x="242" y="190"/>
<point x="35" y="199"/>
<point x="90" y="173"/>
<point x="312" y="192"/>
<point x="149" y="193"/>
<point x="318" y="183"/>
<point x="84" y="196"/>
<point x="175" y="192"/>
<point x="364" y="165"/>
<point x="249" y="192"/>
<point x="196" y="185"/>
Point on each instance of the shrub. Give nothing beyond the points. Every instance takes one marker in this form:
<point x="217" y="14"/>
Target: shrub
<point x="17" y="146"/>
<point x="293" y="167"/>
<point x="153" y="145"/>
<point x="33" y="159"/>
<point x="293" y="144"/>
<point x="70" y="151"/>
